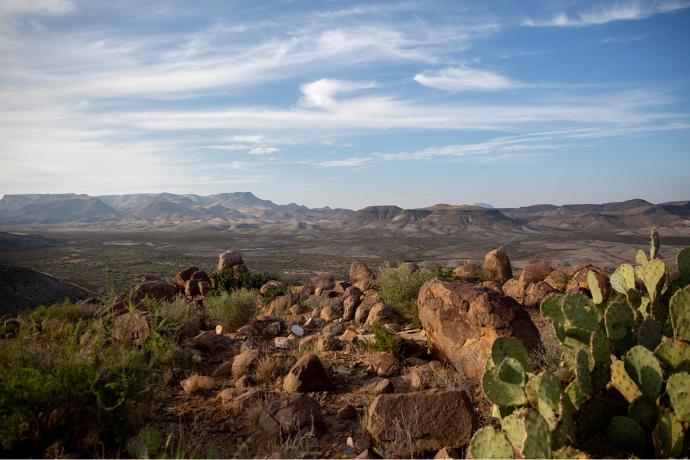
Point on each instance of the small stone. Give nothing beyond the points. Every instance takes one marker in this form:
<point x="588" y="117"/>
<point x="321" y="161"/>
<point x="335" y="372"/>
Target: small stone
<point x="196" y="383"/>
<point x="219" y="329"/>
<point x="297" y="330"/>
<point x="347" y="412"/>
<point x="281" y="342"/>
<point x="378" y="386"/>
<point x="273" y="328"/>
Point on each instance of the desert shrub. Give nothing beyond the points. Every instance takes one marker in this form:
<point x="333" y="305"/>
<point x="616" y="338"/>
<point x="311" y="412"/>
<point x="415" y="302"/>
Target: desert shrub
<point x="384" y="340"/>
<point x="399" y="288"/>
<point x="65" y="383"/>
<point x="227" y="280"/>
<point x="621" y="388"/>
<point x="272" y="293"/>
<point x="174" y="320"/>
<point x="234" y="309"/>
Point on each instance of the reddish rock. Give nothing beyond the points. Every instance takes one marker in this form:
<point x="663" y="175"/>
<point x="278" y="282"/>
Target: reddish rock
<point x="290" y="414"/>
<point x="385" y="364"/>
<point x="347" y="412"/>
<point x="497" y="266"/>
<point x="535" y="293"/>
<point x="229" y="259"/>
<point x="308" y="374"/>
<point x="361" y="276"/>
<point x="430" y="420"/>
<point x="511" y="288"/>
<point x="579" y="280"/>
<point x="210" y="342"/>
<point x="382" y="314"/>
<point x="184" y="276"/>
<point x="462" y="321"/>
<point x="558" y="280"/>
<point x="533" y="273"/>
<point x="469" y="272"/>
<point x="157" y="289"/>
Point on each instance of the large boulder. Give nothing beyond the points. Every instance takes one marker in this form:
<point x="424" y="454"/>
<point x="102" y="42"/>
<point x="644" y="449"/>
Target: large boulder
<point x="383" y="314"/>
<point x="469" y="272"/>
<point x="535" y="293"/>
<point x="308" y="374"/>
<point x="288" y="415"/>
<point x="184" y="276"/>
<point x="230" y="259"/>
<point x="533" y="273"/>
<point x="131" y="327"/>
<point x="370" y="299"/>
<point x="361" y="276"/>
<point x="412" y="423"/>
<point x="558" y="280"/>
<point x="579" y="282"/>
<point x="497" y="266"/>
<point x="153" y="288"/>
<point x="462" y="321"/>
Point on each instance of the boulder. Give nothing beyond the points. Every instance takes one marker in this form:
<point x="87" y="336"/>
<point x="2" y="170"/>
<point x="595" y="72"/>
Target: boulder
<point x="361" y="276"/>
<point x="378" y="386"/>
<point x="469" y="272"/>
<point x="511" y="288"/>
<point x="535" y="293"/>
<point x="131" y="327"/>
<point x="328" y="343"/>
<point x="229" y="259"/>
<point x="462" y="321"/>
<point x="243" y="362"/>
<point x="289" y="415"/>
<point x="184" y="276"/>
<point x="385" y="364"/>
<point x="382" y="314"/>
<point x="424" y="376"/>
<point x="353" y="291"/>
<point x="350" y="304"/>
<point x="579" y="280"/>
<point x="331" y="312"/>
<point x="279" y="305"/>
<point x="157" y="289"/>
<point x="204" y="288"/>
<point x="497" y="266"/>
<point x="533" y="273"/>
<point x="210" y="342"/>
<point x="347" y="412"/>
<point x="196" y="383"/>
<point x="272" y="285"/>
<point x="370" y="299"/>
<point x="558" y="280"/>
<point x="341" y="287"/>
<point x="421" y="421"/>
<point x="308" y="374"/>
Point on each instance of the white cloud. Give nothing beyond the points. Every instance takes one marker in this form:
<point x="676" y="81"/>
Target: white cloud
<point x="263" y="150"/>
<point x="237" y="165"/>
<point x="617" y="11"/>
<point x="321" y="93"/>
<point x="50" y="7"/>
<point x="346" y="163"/>
<point x="465" y="79"/>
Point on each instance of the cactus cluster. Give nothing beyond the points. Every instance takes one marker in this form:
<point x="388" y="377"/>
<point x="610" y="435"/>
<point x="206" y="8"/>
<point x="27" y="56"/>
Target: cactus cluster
<point x="623" y="387"/>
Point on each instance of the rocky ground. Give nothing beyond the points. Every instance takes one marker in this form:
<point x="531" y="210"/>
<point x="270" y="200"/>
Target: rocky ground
<point x="304" y="378"/>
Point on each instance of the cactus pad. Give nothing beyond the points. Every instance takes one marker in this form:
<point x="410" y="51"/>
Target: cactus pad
<point x="570" y="452"/>
<point x="504" y="384"/>
<point x="582" y="372"/>
<point x="645" y="370"/>
<point x="679" y="309"/>
<point x="146" y="444"/>
<point x="623" y="279"/>
<point x="618" y="320"/>
<point x="651" y="274"/>
<point x="674" y="355"/>
<point x="594" y="288"/>
<point x="510" y="347"/>
<point x="623" y="383"/>
<point x="489" y="443"/>
<point x="668" y="436"/>
<point x="626" y="433"/>
<point x="649" y="334"/>
<point x="683" y="261"/>
<point x="678" y="389"/>
<point x="600" y="348"/>
<point x="641" y="258"/>
<point x="654" y="244"/>
<point x="529" y="434"/>
<point x="644" y="412"/>
<point x="579" y="313"/>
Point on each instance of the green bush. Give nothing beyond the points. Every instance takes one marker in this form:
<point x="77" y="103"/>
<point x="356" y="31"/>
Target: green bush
<point x="272" y="293"/>
<point x="175" y="320"/>
<point x="622" y="386"/>
<point x="232" y="310"/>
<point x="64" y="382"/>
<point x="399" y="288"/>
<point x="384" y="340"/>
<point x="227" y="280"/>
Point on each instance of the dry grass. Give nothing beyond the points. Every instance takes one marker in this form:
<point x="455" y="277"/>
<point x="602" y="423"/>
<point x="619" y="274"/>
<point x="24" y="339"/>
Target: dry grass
<point x="267" y="368"/>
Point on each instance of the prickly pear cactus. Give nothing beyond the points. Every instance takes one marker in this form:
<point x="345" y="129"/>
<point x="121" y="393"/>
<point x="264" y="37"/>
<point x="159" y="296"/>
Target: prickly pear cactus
<point x="683" y="261"/>
<point x="594" y="288"/>
<point x="489" y="443"/>
<point x="674" y="355"/>
<point x="623" y="279"/>
<point x="528" y="433"/>
<point x="504" y="384"/>
<point x="645" y="370"/>
<point x="654" y="243"/>
<point x="668" y="436"/>
<point x="510" y="347"/>
<point x="622" y="382"/>
<point x="678" y="389"/>
<point x="626" y="433"/>
<point x="679" y="310"/>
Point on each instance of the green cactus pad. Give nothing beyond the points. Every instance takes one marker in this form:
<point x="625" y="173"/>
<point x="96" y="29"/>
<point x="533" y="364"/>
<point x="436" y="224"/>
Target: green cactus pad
<point x="645" y="370"/>
<point x="623" y="383"/>
<point x="570" y="452"/>
<point x="510" y="347"/>
<point x="619" y="320"/>
<point x="600" y="348"/>
<point x="505" y="384"/>
<point x="678" y="389"/>
<point x="582" y="372"/>
<point x="489" y="443"/>
<point x="674" y="355"/>
<point x="549" y="398"/>
<point x="679" y="309"/>
<point x="623" y="279"/>
<point x="528" y="433"/>
<point x="626" y="433"/>
<point x="146" y="444"/>
<point x="644" y="412"/>
<point x="566" y="430"/>
<point x="641" y="258"/>
<point x="649" y="334"/>
<point x="654" y="244"/>
<point x="579" y="313"/>
<point x="668" y="436"/>
<point x="594" y="288"/>
<point x="683" y="261"/>
<point x="575" y="394"/>
<point x="651" y="274"/>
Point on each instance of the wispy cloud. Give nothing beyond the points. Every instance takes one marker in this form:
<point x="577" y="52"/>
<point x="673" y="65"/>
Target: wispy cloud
<point x="610" y="12"/>
<point x="50" y="7"/>
<point x="354" y="162"/>
<point x="322" y="93"/>
<point x="465" y="79"/>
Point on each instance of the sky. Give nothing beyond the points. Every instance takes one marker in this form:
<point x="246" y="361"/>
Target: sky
<point x="348" y="104"/>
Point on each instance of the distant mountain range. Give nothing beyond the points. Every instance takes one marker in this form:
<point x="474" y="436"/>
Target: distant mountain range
<point x="244" y="210"/>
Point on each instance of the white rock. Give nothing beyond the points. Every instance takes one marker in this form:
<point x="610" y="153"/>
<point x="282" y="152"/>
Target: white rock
<point x="281" y="342"/>
<point x="219" y="329"/>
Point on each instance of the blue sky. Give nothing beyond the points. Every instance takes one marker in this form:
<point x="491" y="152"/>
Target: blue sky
<point x="348" y="104"/>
